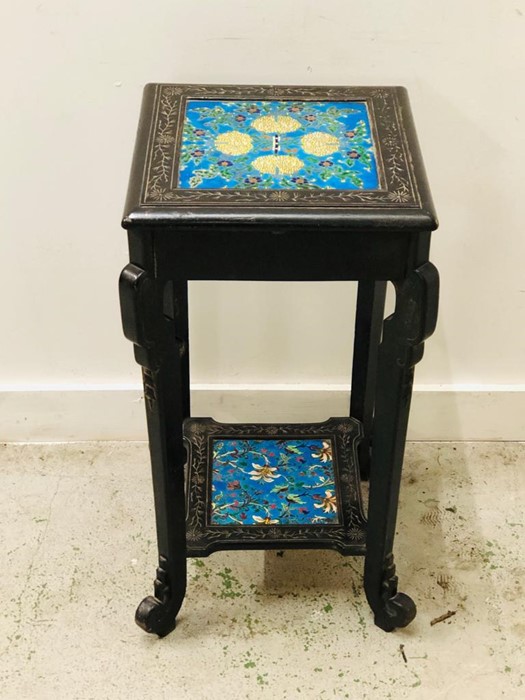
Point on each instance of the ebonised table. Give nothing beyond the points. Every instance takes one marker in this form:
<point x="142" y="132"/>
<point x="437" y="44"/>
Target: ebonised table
<point x="278" y="183"/>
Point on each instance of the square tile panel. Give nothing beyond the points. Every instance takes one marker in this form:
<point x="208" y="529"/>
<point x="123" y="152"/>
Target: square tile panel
<point x="263" y="486"/>
<point x="273" y="482"/>
<point x="274" y="144"/>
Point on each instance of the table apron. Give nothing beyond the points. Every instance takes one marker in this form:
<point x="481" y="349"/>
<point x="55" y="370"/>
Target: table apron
<point x="310" y="255"/>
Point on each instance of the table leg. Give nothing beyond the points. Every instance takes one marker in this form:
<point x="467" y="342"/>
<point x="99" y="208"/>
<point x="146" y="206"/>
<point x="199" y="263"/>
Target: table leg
<point x="402" y="346"/>
<point x="368" y="326"/>
<point x="155" y="318"/>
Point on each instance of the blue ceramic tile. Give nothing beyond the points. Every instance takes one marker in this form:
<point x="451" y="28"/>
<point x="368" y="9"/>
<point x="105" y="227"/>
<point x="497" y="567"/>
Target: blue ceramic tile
<point x="277" y="145"/>
<point x="273" y="482"/>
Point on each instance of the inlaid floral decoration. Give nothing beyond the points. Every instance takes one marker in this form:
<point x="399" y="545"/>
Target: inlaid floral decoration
<point x="277" y="145"/>
<point x="273" y="482"/>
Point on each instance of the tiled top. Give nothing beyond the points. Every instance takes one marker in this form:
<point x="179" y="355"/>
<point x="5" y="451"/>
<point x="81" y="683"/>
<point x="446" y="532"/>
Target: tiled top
<point x="273" y="482"/>
<point x="275" y="145"/>
<point x="229" y="152"/>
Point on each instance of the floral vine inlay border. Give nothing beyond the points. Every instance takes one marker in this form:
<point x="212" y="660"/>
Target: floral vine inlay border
<point x="397" y="182"/>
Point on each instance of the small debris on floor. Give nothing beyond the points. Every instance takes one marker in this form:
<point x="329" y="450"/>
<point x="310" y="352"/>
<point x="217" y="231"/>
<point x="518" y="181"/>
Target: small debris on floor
<point x="402" y="651"/>
<point x="442" y="618"/>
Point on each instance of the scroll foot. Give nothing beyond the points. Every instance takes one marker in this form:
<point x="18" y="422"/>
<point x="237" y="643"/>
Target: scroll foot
<point x="157" y="614"/>
<point x="398" y="611"/>
<point x="391" y="608"/>
<point x="155" y="617"/>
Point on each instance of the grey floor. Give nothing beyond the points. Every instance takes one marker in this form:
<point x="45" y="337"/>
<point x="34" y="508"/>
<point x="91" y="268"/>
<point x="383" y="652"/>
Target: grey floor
<point x="78" y="553"/>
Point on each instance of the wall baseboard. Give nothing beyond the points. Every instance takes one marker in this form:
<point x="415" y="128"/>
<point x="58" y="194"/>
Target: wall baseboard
<point x="116" y="412"/>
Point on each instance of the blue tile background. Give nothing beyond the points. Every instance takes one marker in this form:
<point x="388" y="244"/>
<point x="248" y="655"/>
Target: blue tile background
<point x="297" y="476"/>
<point x="203" y="166"/>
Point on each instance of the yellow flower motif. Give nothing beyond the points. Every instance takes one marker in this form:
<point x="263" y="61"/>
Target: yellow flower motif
<point x="277" y="165"/>
<point x="264" y="521"/>
<point x="325" y="453"/>
<point x="262" y="472"/>
<point x="276" y="125"/>
<point x="329" y="503"/>
<point x="319" y="143"/>
<point x="234" y="143"/>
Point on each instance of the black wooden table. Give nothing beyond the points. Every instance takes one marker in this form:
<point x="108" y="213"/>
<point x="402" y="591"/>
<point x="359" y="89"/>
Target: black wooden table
<point x="278" y="183"/>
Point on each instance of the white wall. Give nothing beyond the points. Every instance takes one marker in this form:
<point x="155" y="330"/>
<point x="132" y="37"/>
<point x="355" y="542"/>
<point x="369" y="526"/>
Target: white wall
<point x="72" y="78"/>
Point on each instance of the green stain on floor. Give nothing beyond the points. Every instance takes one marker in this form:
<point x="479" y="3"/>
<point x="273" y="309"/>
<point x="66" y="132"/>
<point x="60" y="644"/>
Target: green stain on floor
<point x="256" y="624"/>
<point x="230" y="585"/>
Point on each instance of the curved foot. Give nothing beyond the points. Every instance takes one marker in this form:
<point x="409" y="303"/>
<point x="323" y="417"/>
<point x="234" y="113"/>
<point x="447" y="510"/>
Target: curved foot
<point x="155" y="617"/>
<point x="399" y="611"/>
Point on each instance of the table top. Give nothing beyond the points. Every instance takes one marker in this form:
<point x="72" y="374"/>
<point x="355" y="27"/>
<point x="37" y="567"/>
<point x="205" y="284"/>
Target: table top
<point x="217" y="153"/>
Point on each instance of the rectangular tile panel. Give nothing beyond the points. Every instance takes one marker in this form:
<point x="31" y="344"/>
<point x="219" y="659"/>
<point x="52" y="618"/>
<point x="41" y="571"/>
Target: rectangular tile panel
<point x="268" y="145"/>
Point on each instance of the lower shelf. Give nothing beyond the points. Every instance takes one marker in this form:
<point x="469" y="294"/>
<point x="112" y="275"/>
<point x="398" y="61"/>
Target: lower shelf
<point x="273" y="486"/>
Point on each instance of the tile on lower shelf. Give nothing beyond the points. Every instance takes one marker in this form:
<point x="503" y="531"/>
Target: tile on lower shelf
<point x="271" y="486"/>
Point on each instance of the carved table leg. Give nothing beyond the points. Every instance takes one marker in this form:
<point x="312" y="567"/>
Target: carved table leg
<point x="155" y="319"/>
<point x="404" y="332"/>
<point x="368" y="325"/>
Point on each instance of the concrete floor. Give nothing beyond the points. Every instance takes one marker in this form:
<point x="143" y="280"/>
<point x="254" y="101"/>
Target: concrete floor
<point x="78" y="553"/>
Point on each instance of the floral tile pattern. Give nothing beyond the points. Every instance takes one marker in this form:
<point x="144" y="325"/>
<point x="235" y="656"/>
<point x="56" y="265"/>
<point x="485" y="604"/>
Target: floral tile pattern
<point x="277" y="145"/>
<point x="273" y="482"/>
